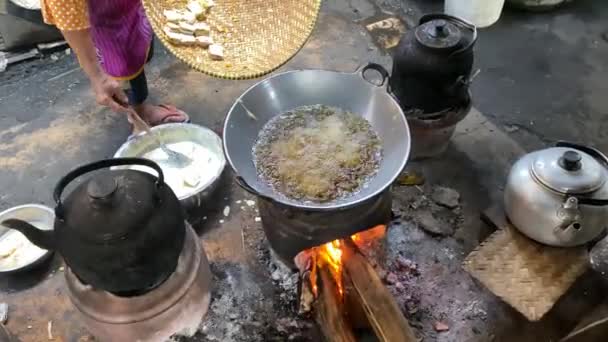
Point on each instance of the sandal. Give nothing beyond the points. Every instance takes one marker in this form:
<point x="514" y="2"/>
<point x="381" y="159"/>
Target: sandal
<point x="172" y="113"/>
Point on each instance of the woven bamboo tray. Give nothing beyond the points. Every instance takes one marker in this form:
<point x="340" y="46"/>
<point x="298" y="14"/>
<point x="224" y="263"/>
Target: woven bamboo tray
<point x="258" y="36"/>
<point x="527" y="275"/>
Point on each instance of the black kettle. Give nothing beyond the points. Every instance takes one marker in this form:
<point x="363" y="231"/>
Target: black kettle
<point x="121" y="231"/>
<point x="432" y="64"/>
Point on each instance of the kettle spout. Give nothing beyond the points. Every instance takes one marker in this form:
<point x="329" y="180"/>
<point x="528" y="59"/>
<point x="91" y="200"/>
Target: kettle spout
<point x="41" y="238"/>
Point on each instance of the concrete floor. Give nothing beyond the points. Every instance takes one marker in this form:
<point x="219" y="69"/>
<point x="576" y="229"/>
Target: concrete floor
<point x="543" y="78"/>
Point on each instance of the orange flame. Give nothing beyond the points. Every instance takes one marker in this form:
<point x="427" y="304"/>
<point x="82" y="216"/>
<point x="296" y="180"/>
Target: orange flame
<point x="331" y="254"/>
<point x="367" y="236"/>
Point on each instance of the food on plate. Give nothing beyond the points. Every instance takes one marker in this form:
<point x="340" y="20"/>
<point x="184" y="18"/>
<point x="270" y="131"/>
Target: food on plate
<point x="186" y="26"/>
<point x="172" y="15"/>
<point x="204" y="41"/>
<point x="172" y="26"/>
<point x="201" y="29"/>
<point x="179" y="38"/>
<point x="197" y="29"/>
<point x="197" y="9"/>
<point x="184" y="181"/>
<point x="216" y="52"/>
<point x="17" y="251"/>
<point x="177" y="16"/>
<point x="207" y="4"/>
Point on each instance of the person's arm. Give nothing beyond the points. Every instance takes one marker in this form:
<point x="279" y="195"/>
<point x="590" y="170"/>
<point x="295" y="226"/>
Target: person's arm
<point x="108" y="91"/>
<point x="71" y="18"/>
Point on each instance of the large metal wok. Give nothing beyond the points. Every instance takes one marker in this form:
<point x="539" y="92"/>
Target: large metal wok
<point x="353" y="92"/>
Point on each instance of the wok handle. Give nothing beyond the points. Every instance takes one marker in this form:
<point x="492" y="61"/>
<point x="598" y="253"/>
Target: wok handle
<point x="241" y="182"/>
<point x="380" y="69"/>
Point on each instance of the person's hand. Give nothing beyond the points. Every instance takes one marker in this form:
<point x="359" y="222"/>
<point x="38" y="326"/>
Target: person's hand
<point x="109" y="93"/>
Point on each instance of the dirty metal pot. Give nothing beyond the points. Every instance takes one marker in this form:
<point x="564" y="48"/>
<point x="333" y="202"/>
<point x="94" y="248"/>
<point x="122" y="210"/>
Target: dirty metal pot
<point x="177" y="306"/>
<point x="432" y="64"/>
<point x="559" y="196"/>
<point x="120" y="230"/>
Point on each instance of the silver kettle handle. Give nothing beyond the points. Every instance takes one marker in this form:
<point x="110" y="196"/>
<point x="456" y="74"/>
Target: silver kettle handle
<point x="595" y="153"/>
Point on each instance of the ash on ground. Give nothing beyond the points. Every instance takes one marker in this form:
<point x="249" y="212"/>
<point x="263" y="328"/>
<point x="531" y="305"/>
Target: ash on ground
<point x="257" y="300"/>
<point x="420" y="262"/>
<point x="240" y="311"/>
<point x="254" y="300"/>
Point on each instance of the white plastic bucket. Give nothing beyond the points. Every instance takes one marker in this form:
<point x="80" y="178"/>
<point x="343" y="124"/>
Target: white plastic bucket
<point x="481" y="13"/>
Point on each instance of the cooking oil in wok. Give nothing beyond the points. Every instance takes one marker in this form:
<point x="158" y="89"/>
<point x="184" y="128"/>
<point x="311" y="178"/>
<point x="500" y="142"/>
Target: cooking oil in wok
<point x="317" y="153"/>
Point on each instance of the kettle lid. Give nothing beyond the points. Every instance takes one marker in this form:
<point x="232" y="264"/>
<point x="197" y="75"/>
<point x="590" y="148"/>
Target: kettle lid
<point x="568" y="171"/>
<point x="438" y="34"/>
<point x="111" y="204"/>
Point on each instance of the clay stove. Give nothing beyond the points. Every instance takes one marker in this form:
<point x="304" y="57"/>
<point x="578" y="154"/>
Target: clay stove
<point x="291" y="230"/>
<point x="176" y="306"/>
<point x="338" y="286"/>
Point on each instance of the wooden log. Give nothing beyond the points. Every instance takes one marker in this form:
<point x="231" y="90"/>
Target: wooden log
<point x="325" y="303"/>
<point x="327" y="309"/>
<point x="306" y="265"/>
<point x="380" y="307"/>
<point x="353" y="309"/>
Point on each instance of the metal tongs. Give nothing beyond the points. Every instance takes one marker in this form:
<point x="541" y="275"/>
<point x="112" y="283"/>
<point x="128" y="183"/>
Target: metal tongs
<point x="174" y="158"/>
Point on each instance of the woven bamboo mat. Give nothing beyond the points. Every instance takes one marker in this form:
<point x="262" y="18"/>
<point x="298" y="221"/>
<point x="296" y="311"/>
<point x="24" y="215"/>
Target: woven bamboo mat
<point x="258" y="36"/>
<point x="529" y="276"/>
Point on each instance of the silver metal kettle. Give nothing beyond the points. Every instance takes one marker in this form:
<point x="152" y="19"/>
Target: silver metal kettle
<point x="559" y="196"/>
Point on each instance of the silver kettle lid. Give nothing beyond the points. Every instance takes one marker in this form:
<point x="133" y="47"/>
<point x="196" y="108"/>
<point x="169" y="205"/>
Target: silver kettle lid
<point x="568" y="171"/>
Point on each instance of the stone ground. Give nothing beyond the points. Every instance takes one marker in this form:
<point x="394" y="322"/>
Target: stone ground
<point x="543" y="78"/>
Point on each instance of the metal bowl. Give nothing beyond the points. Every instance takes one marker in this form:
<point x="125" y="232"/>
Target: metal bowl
<point x="40" y="216"/>
<point x="142" y="144"/>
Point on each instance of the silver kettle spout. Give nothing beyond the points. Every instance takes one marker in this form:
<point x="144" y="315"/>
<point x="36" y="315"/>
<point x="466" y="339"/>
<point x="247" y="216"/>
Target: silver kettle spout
<point x="567" y="233"/>
<point x="41" y="238"/>
<point x="569" y="215"/>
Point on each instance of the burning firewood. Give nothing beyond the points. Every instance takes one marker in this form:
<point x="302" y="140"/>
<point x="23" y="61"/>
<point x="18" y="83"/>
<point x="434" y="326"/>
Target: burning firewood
<point x="328" y="310"/>
<point x="306" y="263"/>
<point x="319" y="294"/>
<point x="382" y="311"/>
<point x="337" y="272"/>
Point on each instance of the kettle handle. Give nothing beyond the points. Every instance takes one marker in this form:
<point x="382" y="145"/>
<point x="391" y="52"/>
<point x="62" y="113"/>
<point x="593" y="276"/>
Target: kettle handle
<point x="72" y="175"/>
<point x="595" y="153"/>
